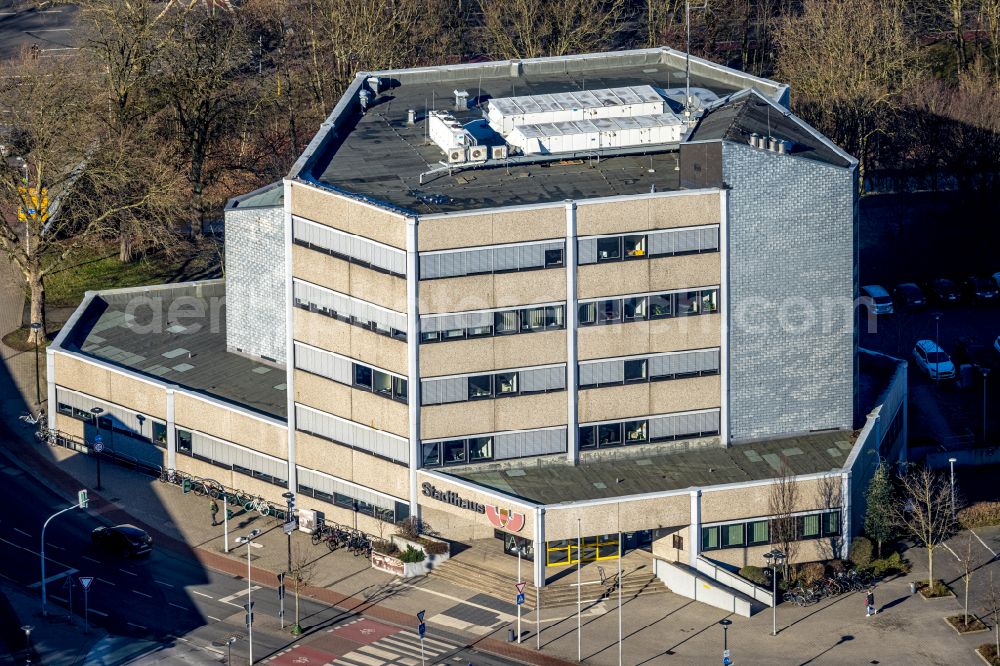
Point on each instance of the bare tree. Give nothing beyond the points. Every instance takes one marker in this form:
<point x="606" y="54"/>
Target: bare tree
<point x="924" y="512"/>
<point x="783" y="501"/>
<point x="530" y="29"/>
<point x="301" y="575"/>
<point x="968" y="566"/>
<point x="994" y="609"/>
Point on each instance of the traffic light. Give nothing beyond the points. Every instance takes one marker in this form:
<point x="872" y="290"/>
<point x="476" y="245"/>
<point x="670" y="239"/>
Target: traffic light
<point x="81" y="498"/>
<point x="186" y="486"/>
<point x="229" y="513"/>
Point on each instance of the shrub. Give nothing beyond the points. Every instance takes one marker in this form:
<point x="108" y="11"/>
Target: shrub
<point x="989" y="652"/>
<point x="861" y="552"/>
<point x="385" y="547"/>
<point x="434" y="547"/>
<point x="755" y="575"/>
<point x="409" y="528"/>
<point x="835" y="567"/>
<point x="980" y="514"/>
<point x="412" y="555"/>
<point x="890" y="565"/>
<point x="810" y="573"/>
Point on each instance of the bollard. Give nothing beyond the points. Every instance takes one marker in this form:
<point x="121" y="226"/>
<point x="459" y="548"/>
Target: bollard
<point x="913" y="588"/>
<point x="510" y="635"/>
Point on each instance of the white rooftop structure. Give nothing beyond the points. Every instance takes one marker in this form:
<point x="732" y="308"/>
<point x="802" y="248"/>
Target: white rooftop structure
<point x="507" y="112"/>
<point x="580" y="135"/>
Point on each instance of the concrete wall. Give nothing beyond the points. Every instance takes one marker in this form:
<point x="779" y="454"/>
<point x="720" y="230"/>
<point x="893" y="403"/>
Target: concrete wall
<point x="647" y="337"/>
<point x="676" y="395"/>
<point x="492" y="228"/>
<point x="666" y="211"/>
<point x="639" y="276"/>
<point x="354" y="217"/>
<point x="355" y="342"/>
<point x="255" y="282"/>
<point x="480" y="416"/>
<point x="118" y="388"/>
<point x="354" y="280"/>
<point x="350" y="403"/>
<point x="792" y="278"/>
<point x="503" y="351"/>
<point x="484" y="292"/>
<point x="626" y="515"/>
<point x="454" y="522"/>
<point x="352" y="465"/>
<point x="692" y="584"/>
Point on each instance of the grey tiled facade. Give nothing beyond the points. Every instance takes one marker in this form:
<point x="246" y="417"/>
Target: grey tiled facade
<point x="792" y="273"/>
<point x="255" y="282"/>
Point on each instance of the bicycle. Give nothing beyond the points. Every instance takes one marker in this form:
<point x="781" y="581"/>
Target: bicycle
<point x="44" y="434"/>
<point x="30" y="419"/>
<point x="319" y="535"/>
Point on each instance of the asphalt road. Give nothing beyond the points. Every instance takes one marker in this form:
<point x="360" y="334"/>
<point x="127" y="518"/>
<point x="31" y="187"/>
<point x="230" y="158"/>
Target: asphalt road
<point x="24" y="23"/>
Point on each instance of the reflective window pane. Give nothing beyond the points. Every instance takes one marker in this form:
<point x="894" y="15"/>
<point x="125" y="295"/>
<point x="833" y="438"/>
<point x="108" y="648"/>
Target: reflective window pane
<point x="588" y="314"/>
<point x="382" y="383"/>
<point x="453" y="334"/>
<point x="479" y="331"/>
<point x="588" y="437"/>
<point x="399" y="391"/>
<point x="635" y="370"/>
<point x="609" y="312"/>
<point x="432" y="336"/>
<point x="553" y="258"/>
<point x="687" y="303"/>
<point x="709" y="300"/>
<point x="635" y="308"/>
<point x="362" y="376"/>
<point x="661" y="305"/>
<point x="480" y="448"/>
<point x="635" y="432"/>
<point x="506" y="322"/>
<point x="609" y="249"/>
<point x="506" y="383"/>
<point x="554" y="317"/>
<point x="635" y="246"/>
<point x="454" y="452"/>
<point x="609" y="434"/>
<point x="533" y="319"/>
<point x="480" y="387"/>
<point x="432" y="454"/>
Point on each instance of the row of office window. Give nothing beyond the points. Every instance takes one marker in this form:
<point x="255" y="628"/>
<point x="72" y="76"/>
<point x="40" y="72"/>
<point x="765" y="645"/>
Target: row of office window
<point x="113" y="418"/>
<point x="651" y="368"/>
<point x="550" y="254"/>
<point x="349" y="247"/>
<point x="347" y="371"/>
<point x="442" y="328"/>
<point x="493" y="385"/>
<point x="492" y="259"/>
<point x="497" y="446"/>
<point x="351" y="310"/>
<point x="680" y="303"/>
<point x="337" y="492"/>
<point x="664" y="243"/>
<point x="662" y="428"/>
<point x="232" y="457"/>
<point x="758" y="532"/>
<point x="343" y="431"/>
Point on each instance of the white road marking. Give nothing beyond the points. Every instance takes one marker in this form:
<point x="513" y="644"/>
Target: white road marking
<point x="52" y="545"/>
<point x="137" y="626"/>
<point x="58" y="576"/>
<point x="503" y="616"/>
<point x="229" y="599"/>
<point x="183" y="608"/>
<point x="50" y="30"/>
<point x="160" y="582"/>
<point x="62" y="599"/>
<point x="108" y="582"/>
<point x="130" y="573"/>
<point x="984" y="543"/>
<point x="28" y="535"/>
<point x="148" y="596"/>
<point x="202" y="594"/>
<point x="101" y="613"/>
<point x="952" y="552"/>
<point x="34" y="552"/>
<point x="213" y="618"/>
<point x="91" y="559"/>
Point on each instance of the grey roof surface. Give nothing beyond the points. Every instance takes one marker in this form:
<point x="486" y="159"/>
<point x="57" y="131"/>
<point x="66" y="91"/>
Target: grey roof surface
<point x="806" y="454"/>
<point x="749" y="113"/>
<point x="189" y="351"/>
<point x="379" y="156"/>
<point x="271" y="195"/>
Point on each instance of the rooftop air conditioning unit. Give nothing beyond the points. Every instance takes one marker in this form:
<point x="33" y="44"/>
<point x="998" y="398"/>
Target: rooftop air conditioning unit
<point x="456" y="155"/>
<point x="478" y="153"/>
<point x="498" y="152"/>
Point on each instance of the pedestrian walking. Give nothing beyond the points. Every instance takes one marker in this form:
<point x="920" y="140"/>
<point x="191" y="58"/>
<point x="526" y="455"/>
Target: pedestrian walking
<point x="215" y="510"/>
<point x="870" y="602"/>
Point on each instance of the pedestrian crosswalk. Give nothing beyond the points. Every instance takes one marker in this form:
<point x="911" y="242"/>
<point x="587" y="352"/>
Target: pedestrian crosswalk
<point x="400" y="649"/>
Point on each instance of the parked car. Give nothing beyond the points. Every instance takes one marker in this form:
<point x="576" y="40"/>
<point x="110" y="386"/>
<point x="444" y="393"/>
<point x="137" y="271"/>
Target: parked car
<point x="933" y="360"/>
<point x="970" y="350"/>
<point x="996" y="280"/>
<point x="877" y="299"/>
<point x="910" y="295"/>
<point x="980" y="290"/>
<point x="943" y="290"/>
<point x="125" y="540"/>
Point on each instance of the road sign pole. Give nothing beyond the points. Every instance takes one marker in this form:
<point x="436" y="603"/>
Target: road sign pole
<point x="69" y="584"/>
<point x="421" y="629"/>
<point x="225" y="522"/>
<point x="81" y="504"/>
<point x="519" y="591"/>
<point x="86" y="611"/>
<point x="422" y="662"/>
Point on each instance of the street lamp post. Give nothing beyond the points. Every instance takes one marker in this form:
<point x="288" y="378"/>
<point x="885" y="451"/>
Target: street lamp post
<point x="290" y="508"/>
<point x="80" y="504"/>
<point x="27" y="639"/>
<point x="774" y="559"/>
<point x="97" y="411"/>
<point x="228" y="644"/>
<point x="248" y="540"/>
<point x="951" y="462"/>
<point x="726" y="661"/>
<point x="985" y="372"/>
<point x="937" y="341"/>
<point x="35" y="326"/>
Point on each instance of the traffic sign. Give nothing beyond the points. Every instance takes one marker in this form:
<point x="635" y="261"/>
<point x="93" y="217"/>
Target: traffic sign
<point x="520" y="587"/>
<point x="85" y="581"/>
<point x="520" y="598"/>
<point x="420" y="616"/>
<point x="68" y="582"/>
<point x="98" y="446"/>
<point x="726" y="661"/>
<point x="289" y="527"/>
<point x="421" y="629"/>
<point x="725" y="654"/>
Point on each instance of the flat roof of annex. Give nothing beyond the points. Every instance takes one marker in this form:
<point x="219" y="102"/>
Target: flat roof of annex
<point x="378" y="157"/>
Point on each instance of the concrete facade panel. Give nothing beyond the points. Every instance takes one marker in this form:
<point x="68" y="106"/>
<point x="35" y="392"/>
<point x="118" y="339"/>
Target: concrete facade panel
<point x="382" y="289"/>
<point x="324" y="456"/>
<point x="496" y="353"/>
<point x="105" y="384"/>
<point x="664" y="212"/>
<point x="379" y="412"/>
<point x="347" y="215"/>
<point x="679" y="395"/>
<point x="455" y="231"/>
<point x="474" y="292"/>
<point x="191" y="413"/>
<point x="69" y="425"/>
<point x="352" y="341"/>
<point x="518" y="226"/>
<point x="531" y="411"/>
<point x="812" y="550"/>
<point x="615" y="278"/>
<point x="528" y="287"/>
<point x="321" y="269"/>
<point x="680" y="333"/>
<point x="613" y="340"/>
<point x="614" y="402"/>
<point x="356" y="405"/>
<point x="458" y="418"/>
<point x="138" y="395"/>
<point x="381" y="475"/>
<point x="610" y="517"/>
<point x="323" y="394"/>
<point x="454" y="520"/>
<point x="689" y="270"/>
<point x="613" y="217"/>
<point x="631" y="400"/>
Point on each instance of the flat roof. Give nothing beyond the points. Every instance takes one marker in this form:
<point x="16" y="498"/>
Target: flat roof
<point x="377" y="156"/>
<point x="658" y="472"/>
<point x="118" y="327"/>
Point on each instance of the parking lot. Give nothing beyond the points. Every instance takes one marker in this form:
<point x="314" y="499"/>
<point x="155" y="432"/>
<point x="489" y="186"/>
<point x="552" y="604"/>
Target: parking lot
<point x="915" y="238"/>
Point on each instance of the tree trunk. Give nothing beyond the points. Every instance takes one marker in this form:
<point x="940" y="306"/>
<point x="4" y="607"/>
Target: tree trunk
<point x="37" y="287"/>
<point x="930" y="568"/>
<point x="966" y="600"/>
<point x="126" y="251"/>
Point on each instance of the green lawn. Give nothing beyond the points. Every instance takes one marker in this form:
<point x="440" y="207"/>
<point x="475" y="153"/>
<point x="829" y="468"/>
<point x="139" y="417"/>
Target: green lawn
<point x="95" y="269"/>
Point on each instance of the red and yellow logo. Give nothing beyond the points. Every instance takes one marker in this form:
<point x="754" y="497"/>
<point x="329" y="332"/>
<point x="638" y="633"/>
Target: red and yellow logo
<point x="505" y="519"/>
